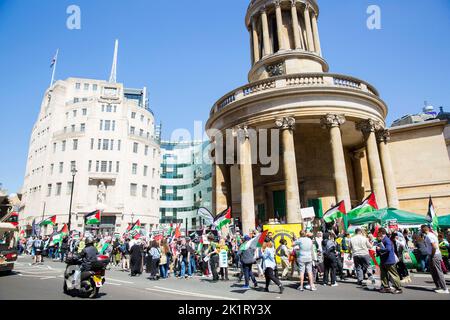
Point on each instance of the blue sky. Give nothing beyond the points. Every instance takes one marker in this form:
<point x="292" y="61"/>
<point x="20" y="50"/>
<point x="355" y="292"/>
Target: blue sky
<point x="190" y="53"/>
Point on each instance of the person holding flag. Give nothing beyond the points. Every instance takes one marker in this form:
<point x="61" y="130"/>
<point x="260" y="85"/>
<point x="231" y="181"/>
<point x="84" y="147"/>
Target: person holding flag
<point x="359" y="248"/>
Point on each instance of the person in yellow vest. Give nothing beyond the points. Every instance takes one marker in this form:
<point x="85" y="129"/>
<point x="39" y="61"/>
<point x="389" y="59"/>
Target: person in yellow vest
<point x="443" y="246"/>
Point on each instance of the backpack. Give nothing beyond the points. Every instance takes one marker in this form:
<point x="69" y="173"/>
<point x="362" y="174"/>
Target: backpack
<point x="248" y="256"/>
<point x="154" y="252"/>
<point x="38" y="244"/>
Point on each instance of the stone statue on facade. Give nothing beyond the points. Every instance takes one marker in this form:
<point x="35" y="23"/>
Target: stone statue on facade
<point x="101" y="193"/>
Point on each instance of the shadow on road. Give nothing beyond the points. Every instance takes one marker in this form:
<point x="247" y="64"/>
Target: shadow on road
<point x="418" y="288"/>
<point x="8" y="273"/>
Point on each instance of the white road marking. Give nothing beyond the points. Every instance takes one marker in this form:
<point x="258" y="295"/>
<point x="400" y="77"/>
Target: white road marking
<point x="122" y="281"/>
<point x="187" y="293"/>
<point x="113" y="284"/>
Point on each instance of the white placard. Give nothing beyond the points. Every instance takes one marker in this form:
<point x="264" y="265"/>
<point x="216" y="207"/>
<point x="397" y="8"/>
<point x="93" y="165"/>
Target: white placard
<point x="308" y="213"/>
<point x="223" y="259"/>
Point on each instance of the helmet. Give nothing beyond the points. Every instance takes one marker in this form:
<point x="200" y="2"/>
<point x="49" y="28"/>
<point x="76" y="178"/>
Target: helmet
<point x="88" y="240"/>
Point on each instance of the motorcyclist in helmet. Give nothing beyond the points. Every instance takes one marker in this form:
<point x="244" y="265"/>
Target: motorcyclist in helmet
<point x="87" y="255"/>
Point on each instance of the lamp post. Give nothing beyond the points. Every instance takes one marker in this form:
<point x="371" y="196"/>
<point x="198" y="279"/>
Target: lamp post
<point x="74" y="172"/>
<point x="132" y="218"/>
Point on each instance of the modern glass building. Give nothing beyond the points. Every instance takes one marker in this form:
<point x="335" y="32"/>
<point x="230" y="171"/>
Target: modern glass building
<point x="186" y="182"/>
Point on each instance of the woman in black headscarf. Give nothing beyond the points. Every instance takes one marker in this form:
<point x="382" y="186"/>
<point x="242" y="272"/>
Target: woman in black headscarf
<point x="135" y="259"/>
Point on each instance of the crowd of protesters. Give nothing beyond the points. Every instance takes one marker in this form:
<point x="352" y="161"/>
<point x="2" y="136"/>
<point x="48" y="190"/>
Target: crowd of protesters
<point x="317" y="257"/>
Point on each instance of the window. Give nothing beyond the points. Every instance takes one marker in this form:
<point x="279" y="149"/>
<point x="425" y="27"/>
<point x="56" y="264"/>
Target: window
<point x="61" y="167"/>
<point x="144" y="191"/>
<point x="49" y="190"/>
<point x="74" y="113"/>
<point x="103" y="108"/>
<point x="84" y="112"/>
<point x="67" y="115"/>
<point x="92" y="143"/>
<point x="63" y="145"/>
<point x="146" y="150"/>
<point x="134" y="168"/>
<point x="135" y="147"/>
<point x="72" y="128"/>
<point x="133" y="115"/>
<point x="108" y="108"/>
<point x="90" y="166"/>
<point x="77" y="85"/>
<point x="142" y="118"/>
<point x="65" y="129"/>
<point x="113" y="125"/>
<point x="104" y="165"/>
<point x="118" y="145"/>
<point x="75" y="144"/>
<point x="107" y="125"/>
<point x="145" y="170"/>
<point x="153" y="172"/>
<point x="54" y="147"/>
<point x="117" y="166"/>
<point x="133" y="188"/>
<point x="101" y="124"/>
<point x="111" y="146"/>
<point x="52" y="166"/>
<point x="153" y="192"/>
<point x="99" y="145"/>
<point x="69" y="188"/>
<point x="141" y="132"/>
<point x="83" y="127"/>
<point x="86" y="86"/>
<point x="132" y="130"/>
<point x="75" y="100"/>
<point x="84" y="99"/>
<point x="105" y="144"/>
<point x="97" y="165"/>
<point x="110" y="166"/>
<point x="115" y="108"/>
<point x="58" y="188"/>
<point x="94" y="87"/>
<point x="73" y="165"/>
<point x="154" y="153"/>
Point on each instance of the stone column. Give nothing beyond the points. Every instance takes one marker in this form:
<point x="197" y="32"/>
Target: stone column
<point x="255" y="39"/>
<point x="287" y="125"/>
<point x="220" y="187"/>
<point x="333" y="123"/>
<point x="309" y="41"/>
<point x="315" y="28"/>
<point x="279" y="18"/>
<point x="357" y="172"/>
<point x="247" y="196"/>
<point x="295" y="25"/>
<point x="266" y="37"/>
<point x="383" y="137"/>
<point x="368" y="128"/>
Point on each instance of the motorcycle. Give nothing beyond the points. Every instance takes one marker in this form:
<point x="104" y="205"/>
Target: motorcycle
<point x="90" y="281"/>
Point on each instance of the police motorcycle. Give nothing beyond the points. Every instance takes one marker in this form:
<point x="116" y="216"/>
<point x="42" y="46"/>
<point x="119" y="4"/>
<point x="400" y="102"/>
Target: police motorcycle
<point x="89" y="282"/>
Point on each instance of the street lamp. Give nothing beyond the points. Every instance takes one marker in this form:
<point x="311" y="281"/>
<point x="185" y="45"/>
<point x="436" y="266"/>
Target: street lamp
<point x="74" y="172"/>
<point x="132" y="218"/>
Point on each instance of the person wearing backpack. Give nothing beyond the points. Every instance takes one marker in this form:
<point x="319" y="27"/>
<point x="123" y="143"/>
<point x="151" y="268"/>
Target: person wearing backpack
<point x="247" y="258"/>
<point x="125" y="249"/>
<point x="329" y="260"/>
<point x="38" y="246"/>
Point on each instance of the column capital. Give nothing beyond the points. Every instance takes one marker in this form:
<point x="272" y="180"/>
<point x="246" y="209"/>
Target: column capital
<point x="368" y="126"/>
<point x="285" y="123"/>
<point x="241" y="132"/>
<point x="277" y="3"/>
<point x="332" y="120"/>
<point x="357" y="155"/>
<point x="383" y="135"/>
<point x="294" y="3"/>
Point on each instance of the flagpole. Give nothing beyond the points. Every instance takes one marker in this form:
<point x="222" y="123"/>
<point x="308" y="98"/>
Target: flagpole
<point x="54" y="67"/>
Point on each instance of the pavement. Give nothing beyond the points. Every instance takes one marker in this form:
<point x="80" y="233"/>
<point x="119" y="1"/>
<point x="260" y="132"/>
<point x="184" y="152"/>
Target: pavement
<point x="45" y="282"/>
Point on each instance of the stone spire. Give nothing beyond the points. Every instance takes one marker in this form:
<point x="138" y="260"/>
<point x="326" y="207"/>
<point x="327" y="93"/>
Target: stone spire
<point x="113" y="76"/>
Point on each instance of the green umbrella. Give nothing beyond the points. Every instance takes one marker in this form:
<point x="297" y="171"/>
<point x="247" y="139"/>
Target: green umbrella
<point x="386" y="214"/>
<point x="444" y="221"/>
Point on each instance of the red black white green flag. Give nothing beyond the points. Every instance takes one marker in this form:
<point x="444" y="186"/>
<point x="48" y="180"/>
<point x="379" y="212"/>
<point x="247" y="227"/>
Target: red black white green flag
<point x="336" y="212"/>
<point x="92" y="217"/>
<point x="48" y="221"/>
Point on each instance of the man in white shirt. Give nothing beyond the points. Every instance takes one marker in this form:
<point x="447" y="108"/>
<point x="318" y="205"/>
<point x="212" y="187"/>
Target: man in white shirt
<point x="434" y="260"/>
<point x="359" y="248"/>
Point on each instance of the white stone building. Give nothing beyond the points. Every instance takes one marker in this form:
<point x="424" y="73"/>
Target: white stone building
<point x="105" y="131"/>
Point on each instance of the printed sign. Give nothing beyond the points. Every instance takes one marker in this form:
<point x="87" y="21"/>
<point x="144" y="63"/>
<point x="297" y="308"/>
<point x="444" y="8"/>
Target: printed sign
<point x="283" y="231"/>
<point x="348" y="262"/>
<point x="223" y="259"/>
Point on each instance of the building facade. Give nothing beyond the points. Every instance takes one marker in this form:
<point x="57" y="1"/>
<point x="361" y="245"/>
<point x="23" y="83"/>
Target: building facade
<point x="329" y="129"/>
<point x="101" y="135"/>
<point x="186" y="183"/>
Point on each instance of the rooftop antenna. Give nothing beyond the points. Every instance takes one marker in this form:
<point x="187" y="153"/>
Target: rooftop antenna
<point x="113" y="76"/>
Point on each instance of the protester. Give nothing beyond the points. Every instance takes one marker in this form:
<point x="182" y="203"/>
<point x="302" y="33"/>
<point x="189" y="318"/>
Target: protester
<point x="304" y="253"/>
<point x="388" y="261"/>
<point x="223" y="270"/>
<point x="155" y="255"/>
<point x="213" y="255"/>
<point x="434" y="260"/>
<point x="329" y="260"/>
<point x="399" y="248"/>
<point x="359" y="247"/>
<point x="269" y="265"/>
<point x="135" y="258"/>
<point x="164" y="259"/>
<point x="443" y="247"/>
<point x="284" y="256"/>
<point x="247" y="257"/>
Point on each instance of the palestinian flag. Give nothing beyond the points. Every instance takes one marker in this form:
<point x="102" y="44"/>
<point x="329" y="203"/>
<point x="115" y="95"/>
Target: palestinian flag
<point x="135" y="229"/>
<point x="369" y="204"/>
<point x="93" y="217"/>
<point x="57" y="238"/>
<point x="223" y="219"/>
<point x="338" y="211"/>
<point x="49" y="221"/>
<point x="254" y="243"/>
<point x="432" y="216"/>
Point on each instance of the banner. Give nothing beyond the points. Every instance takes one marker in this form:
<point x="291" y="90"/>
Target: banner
<point x="283" y="231"/>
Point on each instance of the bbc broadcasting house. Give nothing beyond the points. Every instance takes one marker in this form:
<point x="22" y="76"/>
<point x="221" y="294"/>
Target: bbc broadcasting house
<point x="107" y="133"/>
